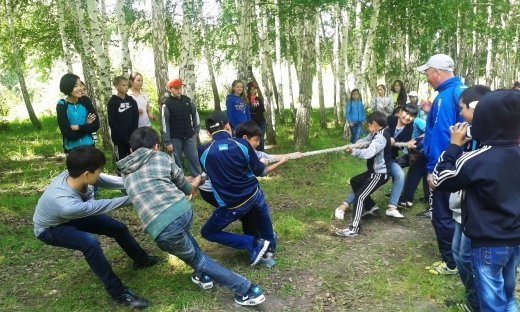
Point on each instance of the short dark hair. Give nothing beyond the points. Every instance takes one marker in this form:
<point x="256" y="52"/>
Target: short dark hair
<point x="379" y="118"/>
<point x="144" y="137"/>
<point x="84" y="158"/>
<point x="68" y="82"/>
<point x="411" y="109"/>
<point x="249" y="129"/>
<point x="117" y="80"/>
<point x="473" y="93"/>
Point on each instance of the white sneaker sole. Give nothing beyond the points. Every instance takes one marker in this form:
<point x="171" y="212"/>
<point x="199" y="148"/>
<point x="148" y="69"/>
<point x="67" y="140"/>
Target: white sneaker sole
<point x="261" y="253"/>
<point x="202" y="285"/>
<point x="252" y="302"/>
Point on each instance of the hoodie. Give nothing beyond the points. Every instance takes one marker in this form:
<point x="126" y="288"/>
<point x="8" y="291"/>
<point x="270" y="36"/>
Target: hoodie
<point x="156" y="187"/>
<point x="237" y="110"/>
<point x="444" y="113"/>
<point x="489" y="176"/>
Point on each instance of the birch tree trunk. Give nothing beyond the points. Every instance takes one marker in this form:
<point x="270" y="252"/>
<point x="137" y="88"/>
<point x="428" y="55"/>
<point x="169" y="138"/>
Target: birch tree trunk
<point x="126" y="62"/>
<point x="87" y="61"/>
<point x="306" y="74"/>
<point x="61" y="7"/>
<point x="18" y="67"/>
<point x="160" y="48"/>
<point x="291" y="94"/>
<point x="278" y="53"/>
<point x="266" y="67"/>
<point x="103" y="20"/>
<point x="209" y="60"/>
<point x="323" y="119"/>
<point x="187" y="65"/>
<point x="334" y="64"/>
<point x="489" y="49"/>
<point x="245" y="42"/>
<point x="104" y="88"/>
<point x="369" y="43"/>
<point x="343" y="60"/>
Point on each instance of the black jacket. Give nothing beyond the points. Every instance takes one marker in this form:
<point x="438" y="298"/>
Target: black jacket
<point x="404" y="136"/>
<point x="180" y="118"/>
<point x="489" y="176"/>
<point x="123" y="118"/>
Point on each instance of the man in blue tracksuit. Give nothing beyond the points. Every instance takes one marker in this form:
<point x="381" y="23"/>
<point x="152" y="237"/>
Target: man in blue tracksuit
<point x="232" y="165"/>
<point x="489" y="178"/>
<point x="444" y="114"/>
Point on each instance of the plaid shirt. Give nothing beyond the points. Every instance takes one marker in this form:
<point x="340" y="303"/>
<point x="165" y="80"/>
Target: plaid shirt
<point x="154" y="183"/>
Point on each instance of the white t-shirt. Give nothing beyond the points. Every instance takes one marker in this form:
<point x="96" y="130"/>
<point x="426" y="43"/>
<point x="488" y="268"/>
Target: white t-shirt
<point x="142" y="104"/>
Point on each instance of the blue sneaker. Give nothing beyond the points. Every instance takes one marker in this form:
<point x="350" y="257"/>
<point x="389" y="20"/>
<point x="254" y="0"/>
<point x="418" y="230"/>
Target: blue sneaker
<point x="257" y="252"/>
<point x="268" y="260"/>
<point x="201" y="280"/>
<point x="254" y="296"/>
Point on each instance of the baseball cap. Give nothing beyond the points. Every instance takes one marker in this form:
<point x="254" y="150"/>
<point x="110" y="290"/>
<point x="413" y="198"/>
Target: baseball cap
<point x="413" y="93"/>
<point x="438" y="61"/>
<point x="175" y="83"/>
<point x="215" y="120"/>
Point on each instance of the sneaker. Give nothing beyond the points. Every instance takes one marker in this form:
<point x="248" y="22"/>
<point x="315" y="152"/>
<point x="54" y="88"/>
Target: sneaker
<point x="257" y="252"/>
<point x="202" y="280"/>
<point x="339" y="213"/>
<point x="372" y="211"/>
<point x="268" y="260"/>
<point x="443" y="270"/>
<point x="150" y="261"/>
<point x="128" y="299"/>
<point x="254" y="296"/>
<point x="434" y="265"/>
<point x="347" y="232"/>
<point x="393" y="213"/>
<point x="464" y="307"/>
<point x="405" y="204"/>
<point x="425" y="214"/>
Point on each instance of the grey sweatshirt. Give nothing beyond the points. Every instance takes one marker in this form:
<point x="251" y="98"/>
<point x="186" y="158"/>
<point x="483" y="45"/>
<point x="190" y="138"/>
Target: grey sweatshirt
<point x="60" y="203"/>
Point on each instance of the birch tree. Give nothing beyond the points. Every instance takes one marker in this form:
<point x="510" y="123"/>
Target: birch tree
<point x="278" y="64"/>
<point x="61" y="6"/>
<point x="306" y="73"/>
<point x="104" y="86"/>
<point x="266" y="69"/>
<point x="18" y="67"/>
<point x="319" y="70"/>
<point x="187" y="59"/>
<point x="126" y="61"/>
<point x="160" y="49"/>
<point x="245" y="41"/>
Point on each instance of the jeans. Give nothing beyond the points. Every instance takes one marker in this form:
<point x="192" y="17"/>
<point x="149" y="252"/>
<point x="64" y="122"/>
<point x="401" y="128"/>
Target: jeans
<point x="222" y="217"/>
<point x="397" y="174"/>
<point x="76" y="235"/>
<point x="443" y="224"/>
<point x="355" y="131"/>
<point x="177" y="240"/>
<point x="495" y="277"/>
<point x="461" y="248"/>
<point x="189" y="148"/>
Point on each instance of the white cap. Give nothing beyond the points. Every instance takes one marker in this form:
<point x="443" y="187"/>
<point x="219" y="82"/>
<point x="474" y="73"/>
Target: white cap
<point x="413" y="93"/>
<point x="438" y="61"/>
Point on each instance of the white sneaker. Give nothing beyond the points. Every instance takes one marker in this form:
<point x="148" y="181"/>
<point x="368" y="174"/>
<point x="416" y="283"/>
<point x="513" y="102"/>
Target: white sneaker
<point x="347" y="232"/>
<point x="394" y="213"/>
<point x="372" y="211"/>
<point x="339" y="213"/>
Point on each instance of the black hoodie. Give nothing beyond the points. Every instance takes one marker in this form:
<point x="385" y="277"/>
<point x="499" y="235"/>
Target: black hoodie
<point x="489" y="176"/>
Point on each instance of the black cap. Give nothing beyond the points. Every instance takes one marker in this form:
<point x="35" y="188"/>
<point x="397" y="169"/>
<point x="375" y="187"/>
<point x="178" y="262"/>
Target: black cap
<point x="215" y="120"/>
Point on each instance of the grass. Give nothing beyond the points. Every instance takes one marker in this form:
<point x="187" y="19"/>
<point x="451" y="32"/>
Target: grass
<point x="380" y="271"/>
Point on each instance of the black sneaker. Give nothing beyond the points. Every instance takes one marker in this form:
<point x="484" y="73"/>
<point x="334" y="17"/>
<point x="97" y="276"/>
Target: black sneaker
<point x="258" y="251"/>
<point x="405" y="204"/>
<point x="150" y="261"/>
<point x="254" y="296"/>
<point x="128" y="299"/>
<point x="201" y="280"/>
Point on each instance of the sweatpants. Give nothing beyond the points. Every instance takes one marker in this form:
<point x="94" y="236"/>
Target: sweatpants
<point x="363" y="185"/>
<point x="443" y="224"/>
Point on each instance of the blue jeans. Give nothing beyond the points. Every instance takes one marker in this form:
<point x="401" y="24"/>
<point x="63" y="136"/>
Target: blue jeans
<point x="177" y="240"/>
<point x="355" y="132"/>
<point x="76" y="235"/>
<point x="495" y="277"/>
<point x="221" y="218"/>
<point x="397" y="174"/>
<point x="189" y="148"/>
<point x="461" y="249"/>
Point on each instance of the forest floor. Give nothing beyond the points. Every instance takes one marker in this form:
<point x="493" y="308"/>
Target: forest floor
<point x="380" y="270"/>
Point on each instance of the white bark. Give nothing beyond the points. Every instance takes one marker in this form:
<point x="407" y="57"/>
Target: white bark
<point x="61" y="7"/>
<point x="245" y="42"/>
<point x="126" y="62"/>
<point x="369" y="43"/>
<point x="489" y="49"/>
<point x="187" y="65"/>
<point x="160" y="47"/>
<point x="103" y="20"/>
<point x="278" y="53"/>
<point x="319" y="69"/>
<point x="343" y="58"/>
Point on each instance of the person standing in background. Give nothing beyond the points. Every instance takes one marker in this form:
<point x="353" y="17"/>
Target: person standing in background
<point x="135" y="82"/>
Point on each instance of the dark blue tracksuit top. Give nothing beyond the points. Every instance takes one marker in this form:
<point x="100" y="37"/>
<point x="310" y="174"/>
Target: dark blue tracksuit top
<point x="232" y="166"/>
